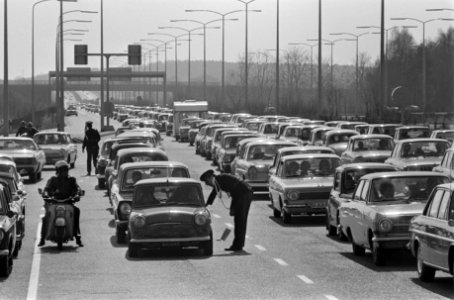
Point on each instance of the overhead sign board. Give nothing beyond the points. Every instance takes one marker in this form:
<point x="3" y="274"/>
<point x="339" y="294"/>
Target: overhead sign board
<point x="121" y="72"/>
<point x="83" y="72"/>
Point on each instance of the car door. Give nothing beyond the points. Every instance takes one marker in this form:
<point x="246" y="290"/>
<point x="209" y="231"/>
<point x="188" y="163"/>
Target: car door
<point x="362" y="215"/>
<point x="275" y="185"/>
<point x="352" y="210"/>
<point x="430" y="249"/>
<point x="441" y="232"/>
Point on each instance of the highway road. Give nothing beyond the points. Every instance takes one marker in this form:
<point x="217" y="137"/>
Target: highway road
<point x="295" y="261"/>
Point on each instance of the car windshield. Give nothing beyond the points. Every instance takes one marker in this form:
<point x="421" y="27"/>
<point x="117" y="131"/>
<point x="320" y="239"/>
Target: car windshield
<point x="310" y="167"/>
<point x="404" y="188"/>
<point x="292" y="132"/>
<point x="339" y="138"/>
<point x="373" y="144"/>
<point x="163" y="194"/>
<point x="271" y="129"/>
<point x="351" y="177"/>
<point x="133" y="175"/>
<point x="445" y="135"/>
<point x="424" y="149"/>
<point x="141" y="157"/>
<point x="413" y="133"/>
<point x="263" y="152"/>
<point x="51" y="139"/>
<point x="17" y="145"/>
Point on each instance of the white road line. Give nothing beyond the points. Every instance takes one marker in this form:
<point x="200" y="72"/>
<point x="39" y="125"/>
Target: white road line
<point x="281" y="261"/>
<point x="34" y="274"/>
<point x="330" y="297"/>
<point x="228" y="225"/>
<point x="305" y="279"/>
<point x="260" y="247"/>
<point x="216" y="216"/>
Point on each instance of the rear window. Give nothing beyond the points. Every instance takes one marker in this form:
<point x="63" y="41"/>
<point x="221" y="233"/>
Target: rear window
<point x="186" y="194"/>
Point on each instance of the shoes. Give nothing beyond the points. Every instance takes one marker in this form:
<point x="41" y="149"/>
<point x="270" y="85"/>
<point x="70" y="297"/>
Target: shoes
<point x="88" y="174"/>
<point x="41" y="243"/>
<point x="79" y="242"/>
<point x="233" y="249"/>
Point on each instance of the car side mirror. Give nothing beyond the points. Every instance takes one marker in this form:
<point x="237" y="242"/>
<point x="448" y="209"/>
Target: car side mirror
<point x="40" y="191"/>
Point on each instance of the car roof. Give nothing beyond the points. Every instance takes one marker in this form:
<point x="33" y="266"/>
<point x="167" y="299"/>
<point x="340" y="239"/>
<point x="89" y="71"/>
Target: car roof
<point x="51" y="132"/>
<point x="365" y="165"/>
<point x="146" y="164"/>
<point x="402" y="174"/>
<point x="339" y="131"/>
<point x="371" y="136"/>
<point x="167" y="179"/>
<point x="421" y="140"/>
<point x="270" y="142"/>
<point x="412" y="126"/>
<point x="139" y="150"/>
<point x="309" y="155"/>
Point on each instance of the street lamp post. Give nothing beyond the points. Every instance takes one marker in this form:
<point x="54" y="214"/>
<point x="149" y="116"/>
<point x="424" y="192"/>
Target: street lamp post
<point x="277" y="57"/>
<point x="356" y="36"/>
<point x="312" y="61"/>
<point x="424" y="96"/>
<point x="5" y="71"/>
<point x="204" y="46"/>
<point x="223" y="45"/>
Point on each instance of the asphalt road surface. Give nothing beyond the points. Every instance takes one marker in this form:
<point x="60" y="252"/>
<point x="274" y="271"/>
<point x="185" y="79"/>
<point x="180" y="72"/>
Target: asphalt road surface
<point x="296" y="261"/>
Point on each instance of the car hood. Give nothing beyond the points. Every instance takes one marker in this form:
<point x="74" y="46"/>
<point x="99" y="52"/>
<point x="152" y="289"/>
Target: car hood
<point x="52" y="147"/>
<point x="338" y="147"/>
<point x="310" y="182"/>
<point x="260" y="162"/>
<point x="400" y="209"/>
<point x="423" y="161"/>
<point x="374" y="153"/>
<point x="164" y="214"/>
<point x="20" y="153"/>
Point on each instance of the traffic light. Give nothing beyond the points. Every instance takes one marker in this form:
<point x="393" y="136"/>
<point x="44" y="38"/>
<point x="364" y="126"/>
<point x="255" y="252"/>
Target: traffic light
<point x="134" y="54"/>
<point x="80" y="54"/>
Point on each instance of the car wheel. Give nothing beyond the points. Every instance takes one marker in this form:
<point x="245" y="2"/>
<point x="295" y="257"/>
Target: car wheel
<point x="425" y="273"/>
<point x="17" y="248"/>
<point x="38" y="176"/>
<point x="208" y="246"/>
<point x="6" y="265"/>
<point x="133" y="250"/>
<point x="101" y="183"/>
<point x="357" y="250"/>
<point x="340" y="234"/>
<point x="331" y="229"/>
<point x="378" y="255"/>
<point x="276" y="213"/>
<point x="286" y="217"/>
<point x="121" y="236"/>
<point x="32" y="177"/>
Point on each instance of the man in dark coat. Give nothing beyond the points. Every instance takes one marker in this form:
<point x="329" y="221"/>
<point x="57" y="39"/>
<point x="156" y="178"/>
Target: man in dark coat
<point x="31" y="130"/>
<point x="22" y="129"/>
<point x="91" y="141"/>
<point x="241" y="194"/>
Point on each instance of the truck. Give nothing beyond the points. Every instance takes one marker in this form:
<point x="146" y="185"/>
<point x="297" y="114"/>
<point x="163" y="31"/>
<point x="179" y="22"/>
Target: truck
<point x="187" y="109"/>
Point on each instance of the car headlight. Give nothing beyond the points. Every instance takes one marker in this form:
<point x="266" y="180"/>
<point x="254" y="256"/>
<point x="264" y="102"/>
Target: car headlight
<point x="138" y="221"/>
<point x="125" y="209"/>
<point x="292" y="195"/>
<point x="385" y="225"/>
<point x="252" y="173"/>
<point x="201" y="217"/>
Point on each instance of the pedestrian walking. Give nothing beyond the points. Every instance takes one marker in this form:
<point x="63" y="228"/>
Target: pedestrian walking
<point x="241" y="194"/>
<point x="91" y="141"/>
<point x="22" y="129"/>
<point x="31" y="130"/>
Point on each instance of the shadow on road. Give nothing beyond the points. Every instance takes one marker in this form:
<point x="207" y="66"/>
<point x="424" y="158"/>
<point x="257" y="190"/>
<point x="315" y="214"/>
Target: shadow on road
<point x="168" y="254"/>
<point x="401" y="261"/>
<point x="443" y="286"/>
<point x="301" y="221"/>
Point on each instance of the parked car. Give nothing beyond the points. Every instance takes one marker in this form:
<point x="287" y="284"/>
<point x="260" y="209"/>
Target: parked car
<point x="9" y="166"/>
<point x="418" y="154"/>
<point x="447" y="134"/>
<point x="349" y="125"/>
<point x="411" y="132"/>
<point x="240" y="148"/>
<point x="301" y="184"/>
<point x="29" y="159"/>
<point x="446" y="165"/>
<point x="123" y="187"/>
<point x="207" y="138"/>
<point x="269" y="129"/>
<point x="291" y="133"/>
<point x="227" y="148"/>
<point x="216" y="139"/>
<point x="346" y="179"/>
<point x="338" y="139"/>
<point x="155" y="201"/>
<point x="8" y="224"/>
<point x="368" y="148"/>
<point x="379" y="213"/>
<point x="432" y="234"/>
<point x="388" y="129"/>
<point x="194" y="127"/>
<point x="185" y="127"/>
<point x="253" y="165"/>
<point x="317" y="134"/>
<point x="57" y="146"/>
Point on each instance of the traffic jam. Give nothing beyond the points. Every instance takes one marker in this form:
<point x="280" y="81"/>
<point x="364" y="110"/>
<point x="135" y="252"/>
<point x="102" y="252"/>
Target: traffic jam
<point x="380" y="187"/>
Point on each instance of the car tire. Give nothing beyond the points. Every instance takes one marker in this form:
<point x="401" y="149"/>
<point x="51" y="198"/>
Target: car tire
<point x="208" y="246"/>
<point x="425" y="273"/>
<point x="101" y="184"/>
<point x="276" y="213"/>
<point x="33" y="177"/>
<point x="121" y="236"/>
<point x="286" y="217"/>
<point x="340" y="234"/>
<point x="17" y="248"/>
<point x="133" y="250"/>
<point x="6" y="265"/>
<point x="38" y="176"/>
<point x="378" y="255"/>
<point x="332" y="230"/>
<point x="357" y="250"/>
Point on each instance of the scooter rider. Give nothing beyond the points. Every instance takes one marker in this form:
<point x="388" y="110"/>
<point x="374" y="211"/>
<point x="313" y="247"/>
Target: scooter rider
<point x="61" y="186"/>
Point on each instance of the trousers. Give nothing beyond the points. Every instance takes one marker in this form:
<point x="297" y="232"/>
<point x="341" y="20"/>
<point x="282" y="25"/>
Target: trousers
<point x="241" y="212"/>
<point x="92" y="156"/>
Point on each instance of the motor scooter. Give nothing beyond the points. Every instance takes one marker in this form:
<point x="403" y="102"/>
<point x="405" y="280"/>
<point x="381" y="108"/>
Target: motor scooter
<point x="60" y="218"/>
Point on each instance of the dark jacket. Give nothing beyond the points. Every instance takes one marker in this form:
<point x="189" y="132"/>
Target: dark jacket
<point x="232" y="185"/>
<point x="91" y="139"/>
<point x="21" y="131"/>
<point x="62" y="187"/>
<point x="31" y="131"/>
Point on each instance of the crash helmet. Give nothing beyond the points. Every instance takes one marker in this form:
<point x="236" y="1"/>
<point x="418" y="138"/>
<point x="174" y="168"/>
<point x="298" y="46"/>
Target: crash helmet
<point x="60" y="165"/>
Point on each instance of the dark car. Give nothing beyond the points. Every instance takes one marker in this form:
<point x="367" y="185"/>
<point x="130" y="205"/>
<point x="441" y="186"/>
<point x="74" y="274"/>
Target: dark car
<point x="169" y="213"/>
<point x="8" y="224"/>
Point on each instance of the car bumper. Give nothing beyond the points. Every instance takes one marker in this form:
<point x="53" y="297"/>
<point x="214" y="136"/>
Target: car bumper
<point x="304" y="209"/>
<point x="259" y="187"/>
<point x="170" y="242"/>
<point x="391" y="242"/>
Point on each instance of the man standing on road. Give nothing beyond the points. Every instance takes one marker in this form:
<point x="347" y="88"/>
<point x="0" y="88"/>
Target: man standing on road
<point x="22" y="129"/>
<point x="241" y="194"/>
<point x="31" y="130"/>
<point x="91" y="141"/>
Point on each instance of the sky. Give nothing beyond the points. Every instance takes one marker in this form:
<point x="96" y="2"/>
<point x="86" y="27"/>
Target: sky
<point x="129" y="21"/>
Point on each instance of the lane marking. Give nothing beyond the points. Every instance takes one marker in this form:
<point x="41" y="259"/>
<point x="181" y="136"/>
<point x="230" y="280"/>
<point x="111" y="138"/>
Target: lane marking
<point x="331" y="297"/>
<point x="281" y="261"/>
<point x="305" y="279"/>
<point x="228" y="225"/>
<point x="260" y="247"/>
<point x="216" y="216"/>
<point x="36" y="262"/>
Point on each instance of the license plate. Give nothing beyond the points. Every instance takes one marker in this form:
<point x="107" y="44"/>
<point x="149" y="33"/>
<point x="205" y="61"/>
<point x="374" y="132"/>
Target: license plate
<point x="171" y="244"/>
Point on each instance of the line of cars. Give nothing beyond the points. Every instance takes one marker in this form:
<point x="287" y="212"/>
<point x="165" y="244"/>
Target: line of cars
<point x="383" y="187"/>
